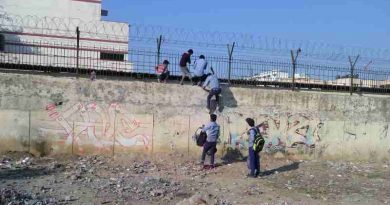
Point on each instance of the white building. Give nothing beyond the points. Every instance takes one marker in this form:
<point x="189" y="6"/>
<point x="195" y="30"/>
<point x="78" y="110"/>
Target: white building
<point x="301" y="76"/>
<point x="43" y="32"/>
<point x="273" y="75"/>
<point x="359" y="82"/>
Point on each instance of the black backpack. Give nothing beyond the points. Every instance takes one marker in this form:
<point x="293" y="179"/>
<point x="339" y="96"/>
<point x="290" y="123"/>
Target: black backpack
<point x="258" y="143"/>
<point x="200" y="138"/>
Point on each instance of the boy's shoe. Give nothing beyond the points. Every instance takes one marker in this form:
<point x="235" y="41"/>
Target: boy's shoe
<point x="200" y="162"/>
<point x="206" y="167"/>
<point x="250" y="176"/>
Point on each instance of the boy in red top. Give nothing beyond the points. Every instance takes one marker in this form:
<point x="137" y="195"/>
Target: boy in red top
<point x="185" y="58"/>
<point x="162" y="71"/>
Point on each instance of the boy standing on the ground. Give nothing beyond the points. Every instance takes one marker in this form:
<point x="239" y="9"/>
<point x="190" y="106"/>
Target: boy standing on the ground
<point x="254" y="158"/>
<point x="185" y="58"/>
<point x="163" y="72"/>
<point x="212" y="130"/>
<point x="215" y="89"/>
<point x="200" y="66"/>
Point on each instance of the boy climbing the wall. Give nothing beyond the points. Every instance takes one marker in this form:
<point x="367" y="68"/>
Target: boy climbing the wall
<point x="186" y="58"/>
<point x="212" y="82"/>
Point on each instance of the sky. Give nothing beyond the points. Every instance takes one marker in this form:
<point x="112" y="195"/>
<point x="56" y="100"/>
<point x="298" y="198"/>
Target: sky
<point x="363" y="23"/>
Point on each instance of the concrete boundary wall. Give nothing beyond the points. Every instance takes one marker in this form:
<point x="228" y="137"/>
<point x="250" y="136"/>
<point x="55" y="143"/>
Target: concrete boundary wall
<point x="55" y="115"/>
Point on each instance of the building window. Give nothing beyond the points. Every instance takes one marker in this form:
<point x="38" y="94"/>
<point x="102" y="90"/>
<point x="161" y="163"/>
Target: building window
<point x="2" y="42"/>
<point x="104" y="12"/>
<point x="112" y="56"/>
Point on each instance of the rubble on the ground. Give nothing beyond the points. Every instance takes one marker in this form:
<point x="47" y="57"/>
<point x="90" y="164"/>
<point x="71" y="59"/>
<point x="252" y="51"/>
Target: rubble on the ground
<point x="202" y="198"/>
<point x="25" y="179"/>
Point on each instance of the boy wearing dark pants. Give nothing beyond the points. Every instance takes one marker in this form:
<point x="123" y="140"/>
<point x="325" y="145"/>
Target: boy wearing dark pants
<point x="212" y="130"/>
<point x="215" y="89"/>
<point x="254" y="158"/>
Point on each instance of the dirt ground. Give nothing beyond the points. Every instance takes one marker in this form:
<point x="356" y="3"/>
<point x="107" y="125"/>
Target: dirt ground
<point x="177" y="179"/>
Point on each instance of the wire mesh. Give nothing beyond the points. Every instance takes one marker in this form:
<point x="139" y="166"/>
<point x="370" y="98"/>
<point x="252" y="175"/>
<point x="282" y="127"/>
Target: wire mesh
<point x="141" y="63"/>
<point x="106" y="48"/>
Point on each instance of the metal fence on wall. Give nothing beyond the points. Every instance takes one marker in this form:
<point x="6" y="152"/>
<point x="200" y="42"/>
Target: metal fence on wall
<point x="237" y="59"/>
<point x="252" y="45"/>
<point x="41" y="56"/>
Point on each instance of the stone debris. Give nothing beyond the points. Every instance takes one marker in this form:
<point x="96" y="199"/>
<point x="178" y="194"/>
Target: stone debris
<point x="12" y="196"/>
<point x="325" y="180"/>
<point x="203" y="199"/>
<point x="78" y="180"/>
<point x="8" y="163"/>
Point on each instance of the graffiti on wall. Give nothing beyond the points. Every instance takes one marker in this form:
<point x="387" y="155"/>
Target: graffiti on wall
<point x="355" y="131"/>
<point x="283" y="131"/>
<point x="91" y="123"/>
<point x="373" y="136"/>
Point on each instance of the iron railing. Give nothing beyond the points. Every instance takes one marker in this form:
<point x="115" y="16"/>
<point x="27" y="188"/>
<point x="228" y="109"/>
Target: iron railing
<point x="140" y="63"/>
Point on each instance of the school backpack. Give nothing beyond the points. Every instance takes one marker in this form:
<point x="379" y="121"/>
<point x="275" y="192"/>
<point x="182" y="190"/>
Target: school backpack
<point x="258" y="143"/>
<point x="200" y="138"/>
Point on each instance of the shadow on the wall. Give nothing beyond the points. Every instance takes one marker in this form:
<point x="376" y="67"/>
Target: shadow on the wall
<point x="227" y="99"/>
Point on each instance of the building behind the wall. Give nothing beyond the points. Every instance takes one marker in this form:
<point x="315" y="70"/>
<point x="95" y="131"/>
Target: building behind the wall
<point x="276" y="75"/>
<point x="272" y="75"/>
<point x="44" y="33"/>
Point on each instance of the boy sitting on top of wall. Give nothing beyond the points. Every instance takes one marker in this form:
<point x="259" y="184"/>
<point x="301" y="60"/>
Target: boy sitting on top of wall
<point x="162" y="72"/>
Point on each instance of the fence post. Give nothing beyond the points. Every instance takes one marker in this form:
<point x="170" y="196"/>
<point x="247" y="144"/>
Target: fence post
<point x="294" y="64"/>
<point x="29" y="131"/>
<point x="352" y="64"/>
<point x="230" y="53"/>
<point x="159" y="40"/>
<point x="77" y="51"/>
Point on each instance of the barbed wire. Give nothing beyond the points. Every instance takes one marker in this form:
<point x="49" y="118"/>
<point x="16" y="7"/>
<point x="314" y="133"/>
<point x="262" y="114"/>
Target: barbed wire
<point x="248" y="43"/>
<point x="57" y="26"/>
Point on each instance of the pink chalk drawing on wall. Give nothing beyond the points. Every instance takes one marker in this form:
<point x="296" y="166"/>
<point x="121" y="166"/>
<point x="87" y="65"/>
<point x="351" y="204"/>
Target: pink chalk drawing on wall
<point x="86" y="123"/>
